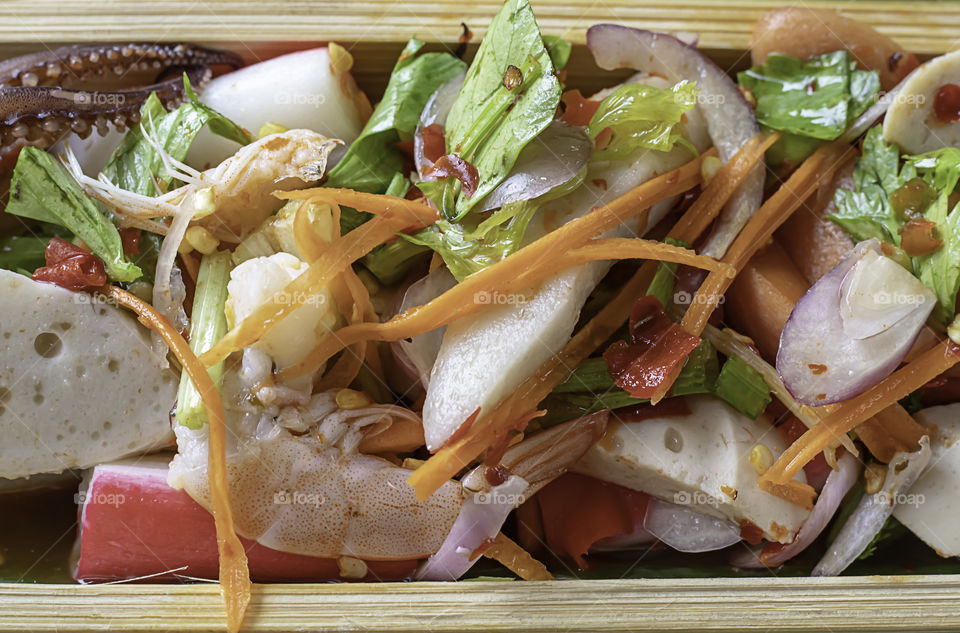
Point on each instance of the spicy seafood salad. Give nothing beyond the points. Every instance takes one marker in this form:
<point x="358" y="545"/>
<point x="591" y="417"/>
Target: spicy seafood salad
<point x="271" y="332"/>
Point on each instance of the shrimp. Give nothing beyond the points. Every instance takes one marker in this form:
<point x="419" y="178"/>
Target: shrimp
<point x="298" y="483"/>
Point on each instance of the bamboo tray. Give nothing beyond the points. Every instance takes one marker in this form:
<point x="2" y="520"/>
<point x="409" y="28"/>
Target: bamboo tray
<point x="374" y="30"/>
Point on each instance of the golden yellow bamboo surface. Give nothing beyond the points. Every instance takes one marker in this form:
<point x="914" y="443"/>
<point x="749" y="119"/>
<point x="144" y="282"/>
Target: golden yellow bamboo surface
<point x="923" y="27"/>
<point x="883" y="603"/>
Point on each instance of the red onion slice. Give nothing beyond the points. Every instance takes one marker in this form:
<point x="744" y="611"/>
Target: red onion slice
<point x="479" y="522"/>
<point x="554" y="158"/>
<point x="687" y="530"/>
<point x="730" y="119"/>
<point x="874" y="510"/>
<point x="837" y="486"/>
<point x="820" y="363"/>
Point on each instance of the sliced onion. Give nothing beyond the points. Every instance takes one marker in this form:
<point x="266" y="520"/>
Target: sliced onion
<point x="554" y="158"/>
<point x="837" y="486"/>
<point x="687" y="530"/>
<point x="819" y="363"/>
<point x="435" y="111"/>
<point x="418" y="354"/>
<point x="480" y="520"/>
<point x="874" y="510"/>
<point x="868" y="293"/>
<point x="730" y="119"/>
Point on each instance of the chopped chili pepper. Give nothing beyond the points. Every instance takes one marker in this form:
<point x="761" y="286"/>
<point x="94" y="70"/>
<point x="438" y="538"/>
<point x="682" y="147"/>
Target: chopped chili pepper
<point x="71" y="267"/>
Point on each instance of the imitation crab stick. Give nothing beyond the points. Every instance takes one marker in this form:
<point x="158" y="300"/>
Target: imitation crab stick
<point x="493" y="427"/>
<point x="847" y="415"/>
<point x="234" y="573"/>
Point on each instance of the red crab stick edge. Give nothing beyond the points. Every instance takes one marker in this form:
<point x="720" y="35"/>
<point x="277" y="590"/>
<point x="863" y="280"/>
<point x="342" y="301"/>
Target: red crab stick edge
<point x="133" y="525"/>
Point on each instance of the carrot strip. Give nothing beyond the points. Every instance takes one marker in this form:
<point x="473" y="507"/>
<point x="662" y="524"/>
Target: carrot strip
<point x="516" y="559"/>
<point x="486" y="431"/>
<point x="891" y="431"/>
<point x="537" y="261"/>
<point x="234" y="574"/>
<point x="331" y="263"/>
<point x="778" y="478"/>
<point x="637" y="248"/>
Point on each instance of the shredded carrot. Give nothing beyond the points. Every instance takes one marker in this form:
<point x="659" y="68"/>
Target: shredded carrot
<point x="456" y="455"/>
<point x="722" y="186"/>
<point x="234" y="573"/>
<point x="351" y="247"/>
<point x="536" y="261"/>
<point x="778" y="479"/>
<point x="891" y="431"/>
<point x="516" y="559"/>
<point x="637" y="248"/>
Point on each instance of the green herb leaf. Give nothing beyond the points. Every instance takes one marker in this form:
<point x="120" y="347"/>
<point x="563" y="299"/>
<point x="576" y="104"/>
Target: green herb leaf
<point x="466" y="250"/>
<point x="641" y="117"/>
<point x="22" y="252"/>
<point x="559" y="50"/>
<point x="136" y="166"/>
<point x="493" y="119"/>
<point x="372" y="160"/>
<point x="208" y="324"/>
<point x="742" y="387"/>
<point x="817" y="98"/>
<point x="42" y="189"/>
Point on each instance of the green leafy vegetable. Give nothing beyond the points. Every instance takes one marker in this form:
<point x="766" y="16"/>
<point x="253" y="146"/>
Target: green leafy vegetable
<point x="642" y="117"/>
<point x="373" y="159"/>
<point x="816" y="98"/>
<point x="559" y="50"/>
<point x="467" y="251"/>
<point x="743" y="387"/>
<point x="136" y="166"/>
<point x="208" y="324"/>
<point x="43" y="190"/>
<point x="880" y="178"/>
<point x="510" y="95"/>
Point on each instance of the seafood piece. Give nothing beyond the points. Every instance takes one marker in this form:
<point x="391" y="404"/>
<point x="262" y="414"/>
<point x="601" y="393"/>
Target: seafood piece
<point x="701" y="460"/>
<point x="924" y="116"/>
<point x="79" y="384"/>
<point x="484" y="356"/>
<point x="299" y="485"/>
<point x="300" y="90"/>
<point x="127" y="508"/>
<point x="42" y="98"/>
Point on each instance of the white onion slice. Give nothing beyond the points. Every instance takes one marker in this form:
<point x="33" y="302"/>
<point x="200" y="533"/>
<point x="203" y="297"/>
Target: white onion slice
<point x="554" y="158"/>
<point x="878" y="293"/>
<point x="819" y="363"/>
<point x="687" y="530"/>
<point x="480" y="520"/>
<point x="837" y="486"/>
<point x="874" y="510"/>
<point x="730" y="119"/>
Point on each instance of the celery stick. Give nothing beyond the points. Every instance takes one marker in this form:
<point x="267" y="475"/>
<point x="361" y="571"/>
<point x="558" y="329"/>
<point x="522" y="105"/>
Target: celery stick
<point x="208" y="324"/>
<point x="742" y="387"/>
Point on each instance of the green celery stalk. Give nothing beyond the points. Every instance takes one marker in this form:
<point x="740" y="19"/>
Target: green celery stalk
<point x="742" y="387"/>
<point x="208" y="324"/>
<point x="699" y="374"/>
<point x="590" y="375"/>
